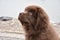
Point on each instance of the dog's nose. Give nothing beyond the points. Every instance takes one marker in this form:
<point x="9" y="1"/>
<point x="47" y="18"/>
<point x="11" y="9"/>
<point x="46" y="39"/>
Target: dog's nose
<point x="21" y="13"/>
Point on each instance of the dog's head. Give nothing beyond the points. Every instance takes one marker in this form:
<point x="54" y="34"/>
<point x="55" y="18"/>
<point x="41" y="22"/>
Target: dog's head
<point x="33" y="16"/>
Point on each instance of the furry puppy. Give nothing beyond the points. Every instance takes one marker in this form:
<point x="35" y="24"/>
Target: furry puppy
<point x="36" y="24"/>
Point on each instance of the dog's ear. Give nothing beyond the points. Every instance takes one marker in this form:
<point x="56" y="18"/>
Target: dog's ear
<point x="42" y="18"/>
<point x="43" y="15"/>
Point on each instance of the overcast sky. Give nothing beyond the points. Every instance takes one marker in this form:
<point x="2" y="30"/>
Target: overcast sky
<point x="13" y="7"/>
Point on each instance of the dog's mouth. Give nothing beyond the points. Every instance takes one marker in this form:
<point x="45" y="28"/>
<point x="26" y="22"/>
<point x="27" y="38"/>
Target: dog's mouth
<point x="24" y="17"/>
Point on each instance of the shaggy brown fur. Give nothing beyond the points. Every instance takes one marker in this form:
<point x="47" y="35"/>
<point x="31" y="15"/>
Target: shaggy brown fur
<point x="36" y="24"/>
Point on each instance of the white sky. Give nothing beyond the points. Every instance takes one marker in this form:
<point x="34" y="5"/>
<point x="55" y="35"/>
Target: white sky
<point x="13" y="7"/>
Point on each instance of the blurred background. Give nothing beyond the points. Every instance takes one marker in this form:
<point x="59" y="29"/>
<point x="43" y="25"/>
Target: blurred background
<point x="12" y="8"/>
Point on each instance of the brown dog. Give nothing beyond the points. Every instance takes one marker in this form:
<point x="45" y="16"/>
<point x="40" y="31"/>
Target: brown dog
<point x="36" y="24"/>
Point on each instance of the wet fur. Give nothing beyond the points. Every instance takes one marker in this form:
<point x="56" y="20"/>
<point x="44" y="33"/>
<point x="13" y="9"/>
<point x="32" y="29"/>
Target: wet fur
<point x="36" y="24"/>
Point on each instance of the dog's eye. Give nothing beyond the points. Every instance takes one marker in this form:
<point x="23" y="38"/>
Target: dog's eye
<point x="30" y="13"/>
<point x="26" y="22"/>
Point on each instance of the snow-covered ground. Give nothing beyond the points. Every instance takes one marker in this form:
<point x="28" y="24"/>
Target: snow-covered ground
<point x="11" y="30"/>
<point x="11" y="36"/>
